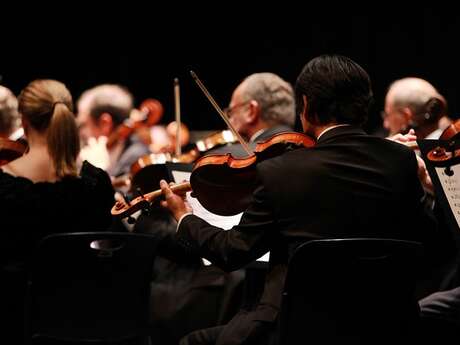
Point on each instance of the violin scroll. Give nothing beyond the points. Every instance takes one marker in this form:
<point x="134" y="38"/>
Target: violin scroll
<point x="448" y="143"/>
<point x="124" y="208"/>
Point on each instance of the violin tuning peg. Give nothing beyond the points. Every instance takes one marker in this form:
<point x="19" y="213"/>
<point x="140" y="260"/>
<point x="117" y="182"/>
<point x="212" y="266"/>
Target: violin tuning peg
<point x="131" y="220"/>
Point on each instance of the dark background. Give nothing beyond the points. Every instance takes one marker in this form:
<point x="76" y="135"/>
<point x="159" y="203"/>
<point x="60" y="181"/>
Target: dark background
<point x="146" y="55"/>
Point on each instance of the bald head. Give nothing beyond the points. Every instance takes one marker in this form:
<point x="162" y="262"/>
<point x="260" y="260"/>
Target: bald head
<point x="106" y="95"/>
<point x="411" y="92"/>
<point x="407" y="102"/>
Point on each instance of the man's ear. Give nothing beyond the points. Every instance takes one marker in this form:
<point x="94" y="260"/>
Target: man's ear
<point x="253" y="115"/>
<point x="408" y="115"/>
<point x="105" y="124"/>
<point x="304" y="114"/>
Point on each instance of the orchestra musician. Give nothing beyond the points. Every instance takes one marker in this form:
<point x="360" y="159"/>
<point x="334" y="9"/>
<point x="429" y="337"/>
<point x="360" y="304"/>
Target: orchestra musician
<point x="12" y="142"/>
<point x="9" y="116"/>
<point x="261" y="106"/>
<point x="42" y="192"/>
<point x="297" y="197"/>
<point x="101" y="110"/>
<point x="413" y="103"/>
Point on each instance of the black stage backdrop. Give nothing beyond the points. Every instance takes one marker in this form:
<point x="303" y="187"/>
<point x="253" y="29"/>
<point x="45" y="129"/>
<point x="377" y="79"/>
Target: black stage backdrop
<point x="146" y="55"/>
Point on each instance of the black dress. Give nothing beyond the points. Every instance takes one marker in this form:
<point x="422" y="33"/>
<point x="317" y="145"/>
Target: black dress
<point x="28" y="212"/>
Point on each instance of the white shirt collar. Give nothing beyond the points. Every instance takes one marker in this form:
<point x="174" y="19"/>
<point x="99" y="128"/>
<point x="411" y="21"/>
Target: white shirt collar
<point x="332" y="127"/>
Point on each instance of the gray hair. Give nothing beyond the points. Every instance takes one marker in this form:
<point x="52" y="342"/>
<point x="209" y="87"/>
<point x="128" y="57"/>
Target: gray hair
<point x="9" y="116"/>
<point x="413" y="93"/>
<point x="274" y="95"/>
<point x="113" y="98"/>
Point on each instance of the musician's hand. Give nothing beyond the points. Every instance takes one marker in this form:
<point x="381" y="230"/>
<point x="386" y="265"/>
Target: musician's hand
<point x="175" y="203"/>
<point x="424" y="177"/>
<point x="405" y="139"/>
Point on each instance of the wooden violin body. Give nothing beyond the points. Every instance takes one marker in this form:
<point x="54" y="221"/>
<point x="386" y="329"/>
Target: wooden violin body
<point x="146" y="172"/>
<point x="10" y="150"/>
<point x="224" y="184"/>
<point x="149" y="113"/>
<point x="449" y="148"/>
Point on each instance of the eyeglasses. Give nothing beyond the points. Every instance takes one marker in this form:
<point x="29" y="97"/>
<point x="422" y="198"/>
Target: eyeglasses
<point x="229" y="110"/>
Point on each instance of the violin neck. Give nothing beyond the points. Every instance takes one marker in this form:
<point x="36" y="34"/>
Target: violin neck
<point x="180" y="187"/>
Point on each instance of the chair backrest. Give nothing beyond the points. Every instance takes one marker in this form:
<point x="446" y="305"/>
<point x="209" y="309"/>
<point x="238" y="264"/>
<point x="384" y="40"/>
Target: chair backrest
<point x="92" y="286"/>
<point x="350" y="291"/>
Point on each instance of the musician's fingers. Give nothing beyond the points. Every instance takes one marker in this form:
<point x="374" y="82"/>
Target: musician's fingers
<point x="167" y="192"/>
<point x="118" y="197"/>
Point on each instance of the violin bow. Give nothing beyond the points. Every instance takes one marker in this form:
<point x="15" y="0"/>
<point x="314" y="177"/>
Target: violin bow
<point x="221" y="113"/>
<point x="177" y="111"/>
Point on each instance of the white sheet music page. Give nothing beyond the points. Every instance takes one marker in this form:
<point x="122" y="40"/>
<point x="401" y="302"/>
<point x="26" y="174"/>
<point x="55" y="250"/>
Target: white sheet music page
<point x="224" y="222"/>
<point x="451" y="188"/>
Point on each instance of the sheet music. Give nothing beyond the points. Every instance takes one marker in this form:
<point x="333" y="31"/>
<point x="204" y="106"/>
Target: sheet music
<point x="451" y="188"/>
<point x="224" y="222"/>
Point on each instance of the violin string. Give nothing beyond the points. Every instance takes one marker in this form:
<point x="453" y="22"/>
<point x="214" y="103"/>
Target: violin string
<point x="221" y="113"/>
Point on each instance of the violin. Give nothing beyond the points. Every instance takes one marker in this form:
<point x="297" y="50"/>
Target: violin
<point x="166" y="147"/>
<point x="10" y="150"/>
<point x="147" y="171"/>
<point x="206" y="144"/>
<point x="447" y="150"/>
<point x="148" y="114"/>
<point x="163" y="138"/>
<point x="223" y="184"/>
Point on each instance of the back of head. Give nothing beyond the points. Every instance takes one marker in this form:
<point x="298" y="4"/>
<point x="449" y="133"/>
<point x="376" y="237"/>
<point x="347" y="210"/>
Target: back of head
<point x="275" y="97"/>
<point x="46" y="105"/>
<point x="337" y="89"/>
<point x="9" y="117"/>
<point x="106" y="98"/>
<point x="425" y="102"/>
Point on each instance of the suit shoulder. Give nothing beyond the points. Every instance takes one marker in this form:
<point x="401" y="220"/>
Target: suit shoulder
<point x="286" y="160"/>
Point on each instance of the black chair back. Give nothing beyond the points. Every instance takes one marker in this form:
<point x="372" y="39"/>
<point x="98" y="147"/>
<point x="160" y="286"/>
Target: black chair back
<point x="92" y="286"/>
<point x="350" y="291"/>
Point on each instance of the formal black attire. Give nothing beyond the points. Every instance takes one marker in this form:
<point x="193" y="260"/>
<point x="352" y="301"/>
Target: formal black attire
<point x="349" y="185"/>
<point x="28" y="212"/>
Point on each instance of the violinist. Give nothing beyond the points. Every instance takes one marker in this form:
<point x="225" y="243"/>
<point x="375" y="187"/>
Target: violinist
<point x="101" y="110"/>
<point x="43" y="192"/>
<point x="12" y="143"/>
<point x="345" y="186"/>
<point x="261" y="106"/>
<point x="9" y="116"/>
<point x="413" y="103"/>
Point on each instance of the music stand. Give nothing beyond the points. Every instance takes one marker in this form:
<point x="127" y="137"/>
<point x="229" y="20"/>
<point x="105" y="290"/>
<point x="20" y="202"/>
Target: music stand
<point x="445" y="176"/>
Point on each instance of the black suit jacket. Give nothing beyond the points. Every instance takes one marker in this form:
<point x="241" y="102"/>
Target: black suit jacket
<point x="349" y="185"/>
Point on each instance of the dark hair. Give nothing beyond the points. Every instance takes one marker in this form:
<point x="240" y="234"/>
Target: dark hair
<point x="47" y="106"/>
<point x="118" y="114"/>
<point x="113" y="99"/>
<point x="337" y="90"/>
